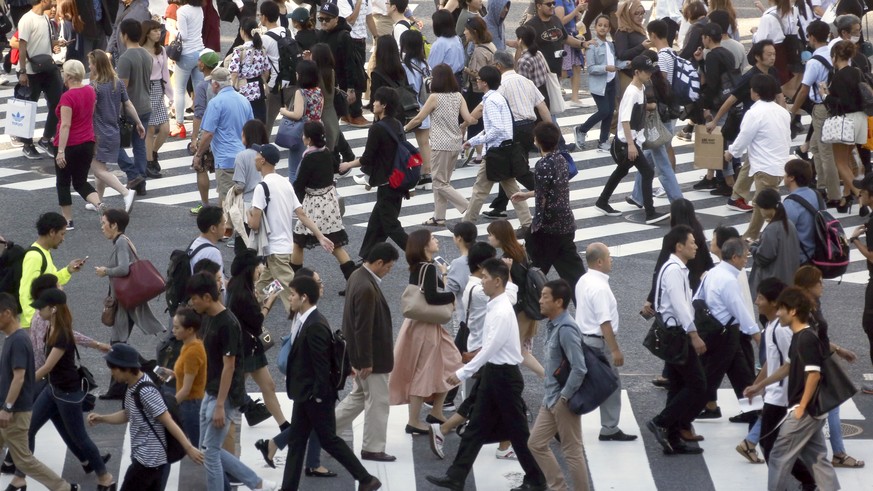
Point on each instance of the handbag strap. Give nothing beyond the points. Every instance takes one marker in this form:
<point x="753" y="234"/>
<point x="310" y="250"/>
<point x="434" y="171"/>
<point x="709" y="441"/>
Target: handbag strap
<point x="51" y="33"/>
<point x="469" y="300"/>
<point x="132" y="248"/>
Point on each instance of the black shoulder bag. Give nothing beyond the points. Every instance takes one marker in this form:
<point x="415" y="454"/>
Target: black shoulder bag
<point x="667" y="343"/>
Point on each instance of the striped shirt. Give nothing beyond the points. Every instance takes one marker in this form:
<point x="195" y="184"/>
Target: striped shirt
<point x="145" y="448"/>
<point x="521" y="94"/>
<point x="497" y="120"/>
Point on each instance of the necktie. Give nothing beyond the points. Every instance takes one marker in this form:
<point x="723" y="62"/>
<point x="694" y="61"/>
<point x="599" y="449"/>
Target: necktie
<point x="295" y="331"/>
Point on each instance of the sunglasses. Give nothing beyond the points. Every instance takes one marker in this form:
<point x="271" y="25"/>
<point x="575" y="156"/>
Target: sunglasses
<point x="325" y="20"/>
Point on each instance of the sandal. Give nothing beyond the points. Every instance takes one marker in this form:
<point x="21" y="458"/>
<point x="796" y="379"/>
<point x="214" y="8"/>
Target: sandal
<point x="748" y="451"/>
<point x="433" y="222"/>
<point x="846" y="461"/>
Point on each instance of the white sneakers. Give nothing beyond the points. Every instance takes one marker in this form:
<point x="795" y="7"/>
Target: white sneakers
<point x="508" y="454"/>
<point x="267" y="485"/>
<point x="128" y="200"/>
<point x="436" y="440"/>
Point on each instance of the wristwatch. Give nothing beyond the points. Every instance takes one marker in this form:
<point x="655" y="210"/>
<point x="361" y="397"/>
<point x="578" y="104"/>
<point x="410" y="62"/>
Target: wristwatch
<point x="7" y="407"/>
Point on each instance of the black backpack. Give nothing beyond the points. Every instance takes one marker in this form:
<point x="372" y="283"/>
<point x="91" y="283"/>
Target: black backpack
<point x="529" y="296"/>
<point x="289" y="54"/>
<point x="831" y="254"/>
<point x="407" y="94"/>
<point x="178" y="274"/>
<point x="175" y="450"/>
<point x="11" y="262"/>
<point x="340" y="364"/>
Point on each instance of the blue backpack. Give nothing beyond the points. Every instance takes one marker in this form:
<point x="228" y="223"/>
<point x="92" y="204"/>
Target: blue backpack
<point x="406" y="168"/>
<point x="686" y="80"/>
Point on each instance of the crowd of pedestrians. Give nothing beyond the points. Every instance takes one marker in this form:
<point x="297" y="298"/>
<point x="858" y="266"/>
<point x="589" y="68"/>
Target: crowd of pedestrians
<point x="468" y="100"/>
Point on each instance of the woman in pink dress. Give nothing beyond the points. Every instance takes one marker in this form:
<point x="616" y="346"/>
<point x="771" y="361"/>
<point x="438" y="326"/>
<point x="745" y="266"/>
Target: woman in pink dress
<point x="424" y="354"/>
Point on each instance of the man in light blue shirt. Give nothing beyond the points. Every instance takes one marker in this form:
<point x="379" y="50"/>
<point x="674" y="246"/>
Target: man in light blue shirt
<point x="222" y="125"/>
<point x="798" y="174"/>
<point x="725" y="353"/>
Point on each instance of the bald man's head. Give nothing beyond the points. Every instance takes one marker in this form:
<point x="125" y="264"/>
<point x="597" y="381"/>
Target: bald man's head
<point x="597" y="255"/>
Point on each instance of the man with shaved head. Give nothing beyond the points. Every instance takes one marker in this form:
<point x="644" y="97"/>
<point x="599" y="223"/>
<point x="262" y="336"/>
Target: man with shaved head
<point x="597" y="318"/>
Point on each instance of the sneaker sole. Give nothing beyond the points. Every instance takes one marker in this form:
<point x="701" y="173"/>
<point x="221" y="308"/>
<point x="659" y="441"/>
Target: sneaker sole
<point x="737" y="208"/>
<point x="433" y="445"/>
<point x="658" y="219"/>
<point x="608" y="213"/>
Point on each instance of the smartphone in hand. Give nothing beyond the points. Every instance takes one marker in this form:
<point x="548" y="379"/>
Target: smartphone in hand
<point x="440" y="260"/>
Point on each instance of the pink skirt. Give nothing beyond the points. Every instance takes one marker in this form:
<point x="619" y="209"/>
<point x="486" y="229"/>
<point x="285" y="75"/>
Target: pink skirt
<point x="424" y="357"/>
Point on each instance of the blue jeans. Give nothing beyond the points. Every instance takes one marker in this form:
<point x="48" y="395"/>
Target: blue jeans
<point x="835" y="430"/>
<point x="754" y="435"/>
<point x="295" y="155"/>
<point x="54" y="404"/>
<point x="666" y="175"/>
<point x="189" y="411"/>
<point x="136" y="167"/>
<point x="186" y="67"/>
<point x="605" y="108"/>
<point x="218" y="460"/>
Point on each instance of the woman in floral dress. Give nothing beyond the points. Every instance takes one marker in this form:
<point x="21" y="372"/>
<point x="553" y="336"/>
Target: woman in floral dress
<point x="316" y="190"/>
<point x="248" y="66"/>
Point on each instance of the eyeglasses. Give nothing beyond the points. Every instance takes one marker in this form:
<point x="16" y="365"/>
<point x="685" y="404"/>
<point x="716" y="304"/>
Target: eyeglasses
<point x="325" y="20"/>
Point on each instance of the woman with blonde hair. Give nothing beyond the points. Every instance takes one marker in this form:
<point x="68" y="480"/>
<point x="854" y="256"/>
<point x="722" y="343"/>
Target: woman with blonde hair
<point x="159" y="123"/>
<point x="424" y="354"/>
<point x="111" y="99"/>
<point x="501" y="235"/>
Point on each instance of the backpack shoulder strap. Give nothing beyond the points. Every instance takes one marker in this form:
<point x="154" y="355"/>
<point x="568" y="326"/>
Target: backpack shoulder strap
<point x="137" y="401"/>
<point x="803" y="203"/>
<point x="200" y="248"/>
<point x="41" y="254"/>
<point x="266" y="195"/>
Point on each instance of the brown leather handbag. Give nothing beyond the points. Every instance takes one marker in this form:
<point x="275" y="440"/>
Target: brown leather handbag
<point x="110" y="307"/>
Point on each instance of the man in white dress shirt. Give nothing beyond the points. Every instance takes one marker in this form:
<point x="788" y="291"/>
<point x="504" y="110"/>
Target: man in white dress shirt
<point x="597" y="318"/>
<point x="499" y="409"/>
<point x="687" y="393"/>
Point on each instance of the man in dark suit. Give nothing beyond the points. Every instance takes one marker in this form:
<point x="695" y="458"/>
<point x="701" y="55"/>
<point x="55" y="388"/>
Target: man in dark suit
<point x="370" y="335"/>
<point x="313" y="395"/>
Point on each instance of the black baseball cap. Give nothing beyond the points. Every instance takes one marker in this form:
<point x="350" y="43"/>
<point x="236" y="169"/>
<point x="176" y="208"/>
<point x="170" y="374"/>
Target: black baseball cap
<point x="269" y="152"/>
<point x="643" y="63"/>
<point x="52" y="296"/>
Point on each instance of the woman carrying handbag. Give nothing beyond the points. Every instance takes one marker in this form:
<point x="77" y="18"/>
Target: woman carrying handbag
<point x="113" y="224"/>
<point x="424" y="354"/>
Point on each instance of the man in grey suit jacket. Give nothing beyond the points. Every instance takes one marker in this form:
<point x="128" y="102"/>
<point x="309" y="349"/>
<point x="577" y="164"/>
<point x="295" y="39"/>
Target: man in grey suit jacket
<point x="369" y="332"/>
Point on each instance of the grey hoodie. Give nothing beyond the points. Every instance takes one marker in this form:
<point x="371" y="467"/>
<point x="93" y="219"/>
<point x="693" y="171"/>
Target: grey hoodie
<point x="495" y="23"/>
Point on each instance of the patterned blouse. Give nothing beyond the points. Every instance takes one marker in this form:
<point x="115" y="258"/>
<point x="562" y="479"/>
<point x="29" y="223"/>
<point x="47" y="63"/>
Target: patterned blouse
<point x="533" y="67"/>
<point x="313" y="104"/>
<point x="552" y="196"/>
<point x="249" y="63"/>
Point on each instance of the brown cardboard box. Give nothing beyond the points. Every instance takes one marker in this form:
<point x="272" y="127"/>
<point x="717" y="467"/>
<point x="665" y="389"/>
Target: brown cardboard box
<point x="708" y="148"/>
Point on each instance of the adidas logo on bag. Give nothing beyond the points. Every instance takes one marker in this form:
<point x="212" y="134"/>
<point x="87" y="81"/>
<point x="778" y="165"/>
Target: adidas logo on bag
<point x="17" y="119"/>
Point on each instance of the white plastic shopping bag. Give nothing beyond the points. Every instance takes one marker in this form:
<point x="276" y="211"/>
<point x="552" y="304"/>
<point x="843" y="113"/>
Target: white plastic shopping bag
<point x="20" y="118"/>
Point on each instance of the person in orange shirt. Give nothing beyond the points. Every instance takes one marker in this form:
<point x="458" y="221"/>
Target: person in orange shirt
<point x="189" y="371"/>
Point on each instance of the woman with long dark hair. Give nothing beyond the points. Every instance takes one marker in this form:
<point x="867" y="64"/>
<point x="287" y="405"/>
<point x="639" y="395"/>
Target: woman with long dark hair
<point x="61" y="400"/>
<point x="532" y="64"/>
<point x="159" y="123"/>
<point x="243" y="303"/>
<point x="377" y="162"/>
<point x="316" y="190"/>
<point x="249" y="66"/>
<point x="777" y="252"/>
<point x="336" y="142"/>
<point x="388" y="71"/>
<point x="417" y="71"/>
<point x="501" y="235"/>
<point x="308" y="105"/>
<point x="482" y="54"/>
<point x="443" y="107"/>
<point x="424" y="353"/>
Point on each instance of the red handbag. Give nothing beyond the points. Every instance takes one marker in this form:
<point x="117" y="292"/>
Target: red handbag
<point x="142" y="283"/>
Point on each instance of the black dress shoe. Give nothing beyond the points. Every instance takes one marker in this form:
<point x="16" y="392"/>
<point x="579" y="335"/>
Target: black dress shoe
<point x="377" y="456"/>
<point x="7" y="468"/>
<point x="660" y="435"/>
<point x="87" y="467"/>
<point x="445" y="482"/>
<point x="531" y="487"/>
<point x="747" y="418"/>
<point x="13" y="488"/>
<point x="709" y="413"/>
<point x="661" y="382"/>
<point x="372" y="485"/>
<point x="412" y="430"/>
<point x="618" y="436"/>
<point x="264" y="447"/>
<point x="683" y="449"/>
<point x="430" y="419"/>
<point x="314" y="473"/>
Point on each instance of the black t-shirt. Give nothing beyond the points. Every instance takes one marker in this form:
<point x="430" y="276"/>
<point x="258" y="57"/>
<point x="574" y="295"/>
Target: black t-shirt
<point x="743" y="90"/>
<point x="64" y="375"/>
<point x="550" y="38"/>
<point x="222" y="337"/>
<point x="805" y="354"/>
<point x="718" y="62"/>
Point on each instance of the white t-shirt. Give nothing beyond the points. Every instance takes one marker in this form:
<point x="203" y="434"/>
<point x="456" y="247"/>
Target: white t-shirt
<point x="777" y="393"/>
<point x="399" y="29"/>
<point x="632" y="97"/>
<point x="279" y="213"/>
<point x="189" y="22"/>
<point x="610" y="60"/>
<point x="272" y="49"/>
<point x="34" y="28"/>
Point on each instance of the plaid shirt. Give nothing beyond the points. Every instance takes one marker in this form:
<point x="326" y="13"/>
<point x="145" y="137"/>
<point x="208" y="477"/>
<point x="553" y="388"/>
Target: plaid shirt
<point x="533" y="67"/>
<point x="497" y="119"/>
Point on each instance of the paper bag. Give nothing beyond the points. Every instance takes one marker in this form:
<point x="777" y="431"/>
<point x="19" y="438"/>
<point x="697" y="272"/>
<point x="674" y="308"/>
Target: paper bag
<point x="20" y="118"/>
<point x="708" y="148"/>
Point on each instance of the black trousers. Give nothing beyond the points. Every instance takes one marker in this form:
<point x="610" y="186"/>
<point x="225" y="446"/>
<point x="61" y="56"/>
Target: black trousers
<point x="729" y="353"/>
<point x="318" y="416"/>
<point x="50" y="84"/>
<point x="686" y="395"/>
<point x="141" y="478"/>
<point x="384" y="221"/>
<point x="867" y="316"/>
<point x="498" y="414"/>
<point x="622" y="167"/>
<point x="771" y="416"/>
<point x="75" y="172"/>
<point x="547" y="250"/>
<point x="523" y="135"/>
